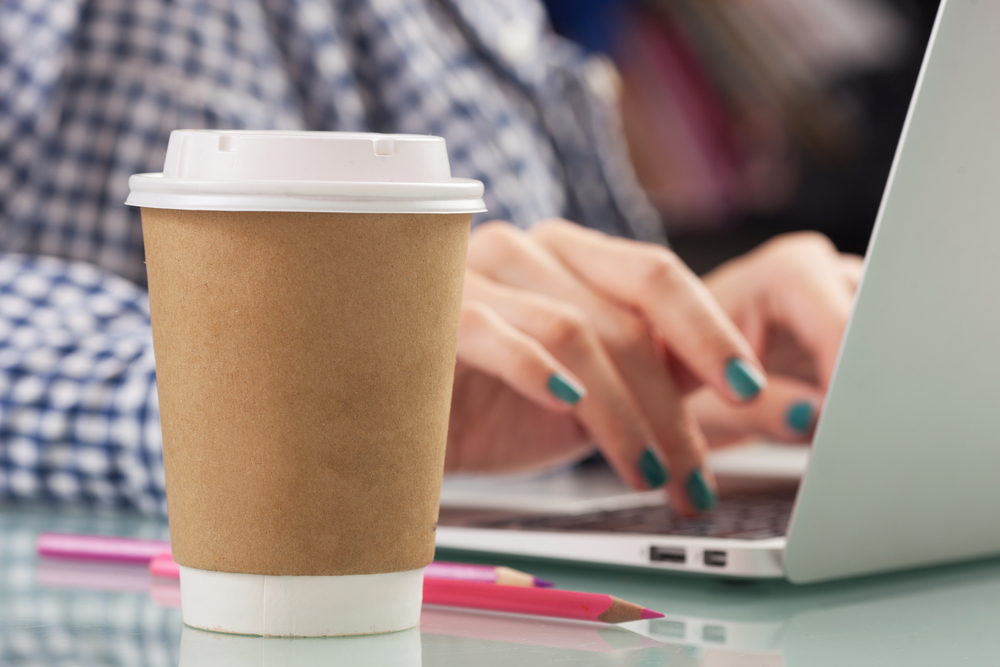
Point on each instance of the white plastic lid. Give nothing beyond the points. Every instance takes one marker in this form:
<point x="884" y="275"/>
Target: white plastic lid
<point x="342" y="172"/>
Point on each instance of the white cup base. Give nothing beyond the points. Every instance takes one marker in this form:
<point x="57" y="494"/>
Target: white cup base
<point x="290" y="606"/>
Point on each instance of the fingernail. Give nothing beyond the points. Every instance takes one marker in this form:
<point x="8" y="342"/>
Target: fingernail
<point x="565" y="390"/>
<point x="800" y="416"/>
<point x="653" y="471"/>
<point x="699" y="492"/>
<point x="745" y="380"/>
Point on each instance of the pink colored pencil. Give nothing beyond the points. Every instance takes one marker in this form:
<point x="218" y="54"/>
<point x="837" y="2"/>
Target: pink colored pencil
<point x="460" y="586"/>
<point x="157" y="554"/>
<point x="535" y="601"/>
<point x="98" y="547"/>
<point x="163" y="565"/>
<point x="486" y="574"/>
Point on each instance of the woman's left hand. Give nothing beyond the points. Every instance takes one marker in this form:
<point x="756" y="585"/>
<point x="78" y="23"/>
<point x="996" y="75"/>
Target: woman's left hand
<point x="791" y="298"/>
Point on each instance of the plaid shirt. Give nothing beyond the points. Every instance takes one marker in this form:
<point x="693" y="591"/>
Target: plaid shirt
<point x="89" y="91"/>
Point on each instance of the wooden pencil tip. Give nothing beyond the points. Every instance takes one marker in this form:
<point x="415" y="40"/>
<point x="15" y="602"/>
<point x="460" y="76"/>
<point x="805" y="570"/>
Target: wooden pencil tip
<point x="621" y="611"/>
<point x="509" y="577"/>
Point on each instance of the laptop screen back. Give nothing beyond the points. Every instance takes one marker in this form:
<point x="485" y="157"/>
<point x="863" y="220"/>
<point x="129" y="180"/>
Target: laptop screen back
<point x="906" y="459"/>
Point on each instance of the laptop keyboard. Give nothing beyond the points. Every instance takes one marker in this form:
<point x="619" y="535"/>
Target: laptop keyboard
<point x="741" y="517"/>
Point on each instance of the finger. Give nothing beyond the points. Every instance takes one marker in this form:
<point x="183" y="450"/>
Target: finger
<point x="510" y="256"/>
<point x="685" y="380"/>
<point x="657" y="284"/>
<point x="786" y="411"/>
<point x="608" y="411"/>
<point x="797" y="283"/>
<point x="807" y="293"/>
<point x="647" y="374"/>
<point x="852" y="266"/>
<point x="492" y="346"/>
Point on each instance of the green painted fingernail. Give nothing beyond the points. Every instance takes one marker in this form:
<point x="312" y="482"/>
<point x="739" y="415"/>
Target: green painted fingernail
<point x="564" y="390"/>
<point x="745" y="380"/>
<point x="800" y="416"/>
<point x="700" y="493"/>
<point x="652" y="470"/>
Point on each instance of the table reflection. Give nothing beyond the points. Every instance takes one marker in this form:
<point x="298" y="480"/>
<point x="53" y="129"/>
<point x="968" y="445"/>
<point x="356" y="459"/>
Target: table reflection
<point x="211" y="649"/>
<point x="530" y="631"/>
<point x="85" y="613"/>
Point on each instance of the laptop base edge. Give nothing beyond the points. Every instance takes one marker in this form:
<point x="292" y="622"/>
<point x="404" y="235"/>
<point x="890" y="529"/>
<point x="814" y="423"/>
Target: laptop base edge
<point x="756" y="559"/>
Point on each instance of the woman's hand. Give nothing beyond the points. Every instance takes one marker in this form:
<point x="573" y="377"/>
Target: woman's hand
<point x="570" y="337"/>
<point x="791" y="298"/>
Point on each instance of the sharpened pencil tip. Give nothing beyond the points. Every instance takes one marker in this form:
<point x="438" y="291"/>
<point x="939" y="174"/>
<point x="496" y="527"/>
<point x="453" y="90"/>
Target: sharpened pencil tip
<point x="543" y="583"/>
<point x="649" y="613"/>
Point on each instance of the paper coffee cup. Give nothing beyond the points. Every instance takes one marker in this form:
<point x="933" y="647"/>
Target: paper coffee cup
<point x="305" y="290"/>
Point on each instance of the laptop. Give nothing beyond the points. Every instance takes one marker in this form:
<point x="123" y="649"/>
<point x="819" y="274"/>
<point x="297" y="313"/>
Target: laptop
<point x="904" y="468"/>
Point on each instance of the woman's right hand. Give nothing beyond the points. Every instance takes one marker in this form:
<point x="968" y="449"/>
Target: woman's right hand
<point x="571" y="338"/>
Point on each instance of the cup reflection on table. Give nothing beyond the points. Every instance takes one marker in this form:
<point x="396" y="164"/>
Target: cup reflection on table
<point x="200" y="648"/>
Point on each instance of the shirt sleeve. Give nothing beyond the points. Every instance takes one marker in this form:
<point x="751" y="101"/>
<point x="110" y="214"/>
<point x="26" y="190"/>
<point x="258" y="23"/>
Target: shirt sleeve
<point x="79" y="419"/>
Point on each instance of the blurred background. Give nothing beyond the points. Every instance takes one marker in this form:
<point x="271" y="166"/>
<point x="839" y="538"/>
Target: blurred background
<point x="749" y="118"/>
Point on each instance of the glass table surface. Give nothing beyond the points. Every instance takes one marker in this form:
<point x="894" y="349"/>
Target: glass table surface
<point x="73" y="613"/>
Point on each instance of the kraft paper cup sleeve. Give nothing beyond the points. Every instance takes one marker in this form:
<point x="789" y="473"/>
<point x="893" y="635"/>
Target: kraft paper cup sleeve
<point x="304" y="398"/>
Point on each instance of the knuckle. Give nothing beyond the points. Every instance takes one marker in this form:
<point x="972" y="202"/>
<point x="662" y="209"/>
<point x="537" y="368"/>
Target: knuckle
<point x="566" y="329"/>
<point x="798" y="254"/>
<point x="526" y="364"/>
<point x="490" y="227"/>
<point x="496" y="236"/>
<point x="795" y="243"/>
<point x="659" y="266"/>
<point x="475" y="316"/>
<point x="817" y="240"/>
<point x="549" y="225"/>
<point x="629" y="333"/>
<point x="549" y="230"/>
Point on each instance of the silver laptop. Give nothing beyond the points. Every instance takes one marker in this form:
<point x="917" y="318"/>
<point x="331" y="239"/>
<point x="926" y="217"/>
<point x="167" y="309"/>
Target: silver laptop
<point x="905" y="463"/>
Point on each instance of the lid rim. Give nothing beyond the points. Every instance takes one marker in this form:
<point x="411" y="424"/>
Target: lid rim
<point x="153" y="190"/>
<point x="156" y="182"/>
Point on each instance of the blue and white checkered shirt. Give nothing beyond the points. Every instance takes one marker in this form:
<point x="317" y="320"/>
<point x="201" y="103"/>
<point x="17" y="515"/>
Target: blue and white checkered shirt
<point x="89" y="92"/>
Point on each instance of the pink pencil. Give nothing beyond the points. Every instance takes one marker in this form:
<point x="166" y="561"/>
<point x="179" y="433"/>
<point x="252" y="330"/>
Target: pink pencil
<point x="459" y="587"/>
<point x="486" y="574"/>
<point x="490" y="596"/>
<point x="163" y="565"/>
<point x="98" y="547"/>
<point x="130" y="550"/>
<point x="535" y="601"/>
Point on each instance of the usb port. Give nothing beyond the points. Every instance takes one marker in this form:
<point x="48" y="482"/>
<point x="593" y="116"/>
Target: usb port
<point x="715" y="558"/>
<point x="667" y="554"/>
